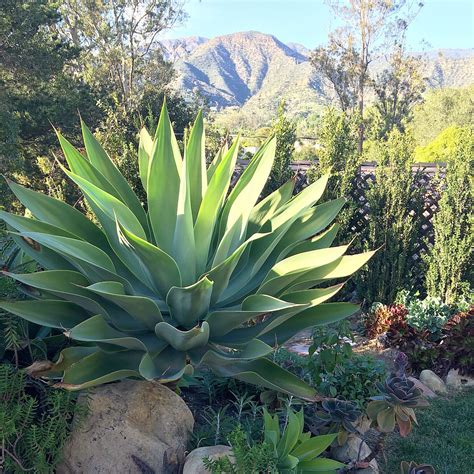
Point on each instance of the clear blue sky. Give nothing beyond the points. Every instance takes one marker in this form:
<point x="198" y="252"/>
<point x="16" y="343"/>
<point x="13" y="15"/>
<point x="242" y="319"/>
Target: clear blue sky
<point x="441" y="23"/>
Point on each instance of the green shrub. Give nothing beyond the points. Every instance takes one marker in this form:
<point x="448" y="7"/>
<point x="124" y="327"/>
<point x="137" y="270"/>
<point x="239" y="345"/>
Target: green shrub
<point x="442" y="148"/>
<point x="35" y="422"/>
<point x="450" y="262"/>
<point x="337" y="372"/>
<point x="395" y="203"/>
<point x="337" y="155"/>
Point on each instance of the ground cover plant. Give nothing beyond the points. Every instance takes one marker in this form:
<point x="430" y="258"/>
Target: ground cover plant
<point x="152" y="292"/>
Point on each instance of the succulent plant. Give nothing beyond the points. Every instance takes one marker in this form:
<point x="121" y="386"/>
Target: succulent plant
<point x="199" y="274"/>
<point x="413" y="468"/>
<point x="399" y="396"/>
<point x="339" y="416"/>
<point x="295" y="450"/>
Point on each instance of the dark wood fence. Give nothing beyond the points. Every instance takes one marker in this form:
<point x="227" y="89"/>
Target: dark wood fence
<point x="425" y="174"/>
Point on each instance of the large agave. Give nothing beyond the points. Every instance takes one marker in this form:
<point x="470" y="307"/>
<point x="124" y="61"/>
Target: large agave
<point x="150" y="291"/>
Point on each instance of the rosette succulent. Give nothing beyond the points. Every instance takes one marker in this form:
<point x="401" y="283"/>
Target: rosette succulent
<point x="413" y="468"/>
<point x="399" y="396"/>
<point x="198" y="274"/>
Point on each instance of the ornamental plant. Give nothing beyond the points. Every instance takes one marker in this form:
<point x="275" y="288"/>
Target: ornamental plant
<point x="198" y="274"/>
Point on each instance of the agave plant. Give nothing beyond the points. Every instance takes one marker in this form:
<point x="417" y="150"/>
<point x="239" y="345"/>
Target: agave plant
<point x="295" y="450"/>
<point x="199" y="274"/>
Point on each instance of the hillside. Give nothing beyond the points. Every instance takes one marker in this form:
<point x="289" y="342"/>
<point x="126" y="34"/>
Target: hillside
<point x="251" y="72"/>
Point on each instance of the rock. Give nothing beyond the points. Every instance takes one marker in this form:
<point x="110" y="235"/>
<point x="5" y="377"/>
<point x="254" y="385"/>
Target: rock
<point x="432" y="381"/>
<point x="456" y="381"/>
<point x="427" y="392"/>
<point x="133" y="427"/>
<point x="194" y="460"/>
<point x="354" y="450"/>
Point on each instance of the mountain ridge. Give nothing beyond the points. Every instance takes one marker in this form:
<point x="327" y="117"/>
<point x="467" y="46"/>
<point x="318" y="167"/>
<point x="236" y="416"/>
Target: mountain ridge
<point x="253" y="71"/>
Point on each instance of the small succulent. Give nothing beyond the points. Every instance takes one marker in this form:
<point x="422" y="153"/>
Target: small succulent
<point x="395" y="405"/>
<point x="413" y="468"/>
<point x="339" y="415"/>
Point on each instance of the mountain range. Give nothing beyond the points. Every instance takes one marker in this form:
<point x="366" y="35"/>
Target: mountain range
<point x="252" y="72"/>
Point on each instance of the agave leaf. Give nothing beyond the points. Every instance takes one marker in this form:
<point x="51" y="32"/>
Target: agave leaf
<point x="101" y="161"/>
<point x="164" y="177"/>
<point x="316" y="316"/>
<point x="166" y="366"/>
<point x="183" y="242"/>
<point x="162" y="269"/>
<point x="260" y="372"/>
<point x="101" y="367"/>
<point x="320" y="241"/>
<point x="145" y="149"/>
<point x="290" y="437"/>
<point x="321" y="465"/>
<point x="80" y="166"/>
<point x="143" y="309"/>
<point x="222" y="322"/>
<point x="216" y="161"/>
<point x="64" y="284"/>
<point x="267" y="207"/>
<point x="51" y="313"/>
<point x="212" y="204"/>
<point x="59" y="214"/>
<point x="243" y="196"/>
<point x="340" y="268"/>
<point x="183" y="340"/>
<point x="313" y="446"/>
<point x="188" y="305"/>
<point x="271" y="429"/>
<point x="96" y="329"/>
<point x="109" y="205"/>
<point x="196" y="165"/>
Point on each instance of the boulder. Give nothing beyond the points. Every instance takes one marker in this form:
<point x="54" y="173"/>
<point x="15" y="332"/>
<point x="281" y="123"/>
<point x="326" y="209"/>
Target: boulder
<point x="432" y="381"/>
<point x="133" y="427"/>
<point x="195" y="459"/>
<point x="427" y="392"/>
<point x="456" y="381"/>
<point x="354" y="450"/>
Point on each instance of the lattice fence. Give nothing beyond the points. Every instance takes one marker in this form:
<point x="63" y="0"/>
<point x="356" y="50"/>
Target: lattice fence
<point x="425" y="178"/>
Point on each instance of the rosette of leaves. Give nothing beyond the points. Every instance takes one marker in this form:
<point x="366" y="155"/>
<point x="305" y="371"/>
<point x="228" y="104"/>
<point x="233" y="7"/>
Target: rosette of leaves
<point x="395" y="405"/>
<point x="338" y="416"/>
<point x="295" y="450"/>
<point x="199" y="274"/>
<point x="413" y="468"/>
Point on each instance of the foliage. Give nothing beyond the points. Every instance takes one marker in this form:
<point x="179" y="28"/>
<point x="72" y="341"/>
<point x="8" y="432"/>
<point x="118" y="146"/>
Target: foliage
<point x="336" y="372"/>
<point x="442" y="148"/>
<point x="442" y="438"/>
<point x="395" y="200"/>
<point x="443" y="108"/>
<point x="337" y="137"/>
<point x="35" y="422"/>
<point x="36" y="88"/>
<point x="398" y="88"/>
<point x="247" y="457"/>
<point x="119" y="44"/>
<point x="187" y="280"/>
<point x="450" y="261"/>
<point x="395" y="404"/>
<point x="285" y="132"/>
<point x="429" y="314"/>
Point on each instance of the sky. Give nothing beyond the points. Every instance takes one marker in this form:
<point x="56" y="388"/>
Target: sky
<point x="440" y="24"/>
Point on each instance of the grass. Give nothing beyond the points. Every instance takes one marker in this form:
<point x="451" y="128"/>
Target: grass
<point x="444" y="438"/>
